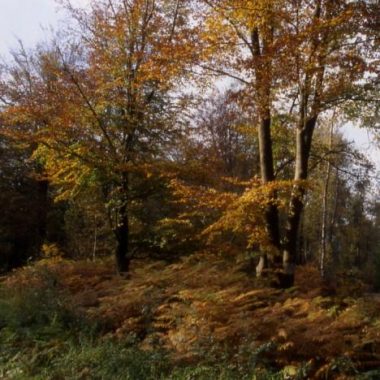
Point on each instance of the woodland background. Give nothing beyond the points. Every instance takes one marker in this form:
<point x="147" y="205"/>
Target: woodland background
<point x="197" y="145"/>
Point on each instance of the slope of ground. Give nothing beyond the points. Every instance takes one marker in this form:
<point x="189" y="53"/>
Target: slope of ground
<point x="206" y="305"/>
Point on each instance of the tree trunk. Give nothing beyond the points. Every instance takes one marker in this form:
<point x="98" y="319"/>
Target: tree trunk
<point x="122" y="231"/>
<point x="303" y="146"/>
<point x="302" y="255"/>
<point x="122" y="250"/>
<point x="267" y="175"/>
<point x="43" y="206"/>
<point x="291" y="239"/>
<point x="334" y="250"/>
<point x="324" y="209"/>
<point x="263" y="73"/>
<point x="271" y="259"/>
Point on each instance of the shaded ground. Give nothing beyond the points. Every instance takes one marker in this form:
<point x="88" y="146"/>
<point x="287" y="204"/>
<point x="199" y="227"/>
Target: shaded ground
<point x="208" y="304"/>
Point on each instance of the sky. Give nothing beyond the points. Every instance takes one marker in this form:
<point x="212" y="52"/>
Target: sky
<point x="22" y="19"/>
<point x="28" y="20"/>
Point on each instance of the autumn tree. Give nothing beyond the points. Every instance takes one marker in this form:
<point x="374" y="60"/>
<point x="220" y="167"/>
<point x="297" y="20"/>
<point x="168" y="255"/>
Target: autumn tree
<point x="296" y="60"/>
<point x="210" y="166"/>
<point x="103" y="100"/>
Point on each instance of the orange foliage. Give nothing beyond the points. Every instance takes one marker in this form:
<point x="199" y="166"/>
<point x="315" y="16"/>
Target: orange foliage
<point x="197" y="304"/>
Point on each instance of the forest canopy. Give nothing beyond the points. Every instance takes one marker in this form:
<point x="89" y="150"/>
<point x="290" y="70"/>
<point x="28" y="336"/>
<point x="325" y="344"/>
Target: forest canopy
<point x="179" y="197"/>
<point x="158" y="128"/>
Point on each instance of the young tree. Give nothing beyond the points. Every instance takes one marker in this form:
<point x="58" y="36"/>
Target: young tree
<point x="103" y="101"/>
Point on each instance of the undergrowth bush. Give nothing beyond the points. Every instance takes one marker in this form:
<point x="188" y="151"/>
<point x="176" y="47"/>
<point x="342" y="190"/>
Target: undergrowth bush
<point x="43" y="336"/>
<point x="39" y="310"/>
<point x="106" y="359"/>
<point x="36" y="322"/>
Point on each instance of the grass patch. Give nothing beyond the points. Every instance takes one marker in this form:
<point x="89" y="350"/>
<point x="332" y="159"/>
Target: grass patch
<point x="44" y="336"/>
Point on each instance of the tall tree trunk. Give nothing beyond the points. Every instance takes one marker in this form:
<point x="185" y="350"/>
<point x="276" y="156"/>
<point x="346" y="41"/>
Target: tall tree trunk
<point x="303" y="145"/>
<point x="324" y="208"/>
<point x="267" y="175"/>
<point x="43" y="206"/>
<point x="122" y="230"/>
<point x="302" y="256"/>
<point x="334" y="216"/>
<point x="263" y="90"/>
<point x="304" y="136"/>
<point x="271" y="259"/>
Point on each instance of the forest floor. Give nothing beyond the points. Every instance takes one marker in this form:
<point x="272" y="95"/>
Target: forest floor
<point x="204" y="312"/>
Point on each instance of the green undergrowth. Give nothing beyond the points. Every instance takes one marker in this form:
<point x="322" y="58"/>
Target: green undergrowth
<point x="69" y="320"/>
<point x="43" y="337"/>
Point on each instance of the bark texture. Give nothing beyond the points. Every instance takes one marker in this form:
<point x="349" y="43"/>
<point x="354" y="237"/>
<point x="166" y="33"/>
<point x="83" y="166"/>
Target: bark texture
<point x="263" y="91"/>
